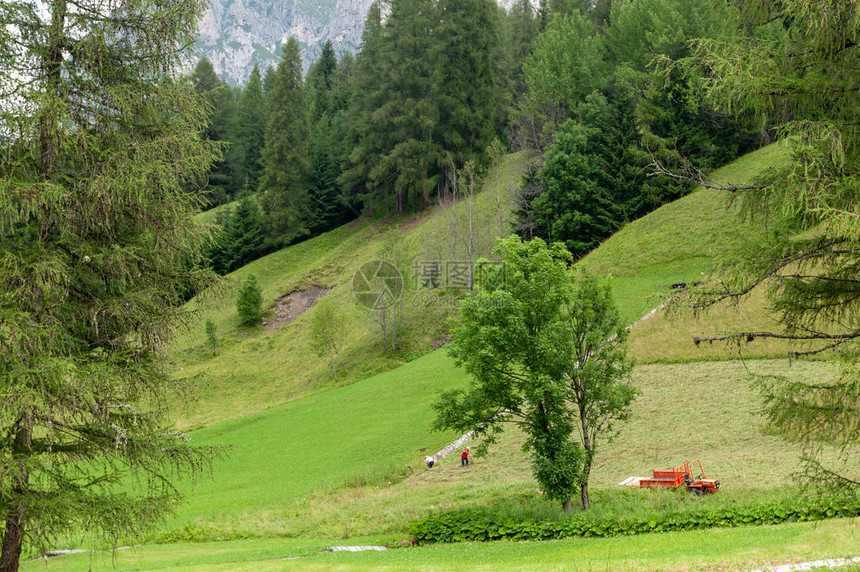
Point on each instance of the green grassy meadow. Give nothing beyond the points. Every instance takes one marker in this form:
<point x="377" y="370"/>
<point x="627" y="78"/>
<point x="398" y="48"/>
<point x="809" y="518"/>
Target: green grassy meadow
<point x="315" y="462"/>
<point x="321" y="441"/>
<point x="682" y="242"/>
<point x="336" y="465"/>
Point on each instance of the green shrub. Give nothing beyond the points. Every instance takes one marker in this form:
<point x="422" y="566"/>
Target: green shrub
<point x="249" y="301"/>
<point x="479" y="525"/>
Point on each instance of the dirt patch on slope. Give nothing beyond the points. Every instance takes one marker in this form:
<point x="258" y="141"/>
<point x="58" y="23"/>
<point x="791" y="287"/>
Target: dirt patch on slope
<point x="290" y="306"/>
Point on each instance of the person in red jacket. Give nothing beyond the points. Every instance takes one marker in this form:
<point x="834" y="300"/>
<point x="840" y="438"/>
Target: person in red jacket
<point x="464" y="457"/>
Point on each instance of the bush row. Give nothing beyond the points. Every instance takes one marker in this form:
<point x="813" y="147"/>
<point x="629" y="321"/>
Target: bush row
<point x="474" y="525"/>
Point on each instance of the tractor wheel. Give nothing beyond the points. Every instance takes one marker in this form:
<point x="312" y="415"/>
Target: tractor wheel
<point x="697" y="492"/>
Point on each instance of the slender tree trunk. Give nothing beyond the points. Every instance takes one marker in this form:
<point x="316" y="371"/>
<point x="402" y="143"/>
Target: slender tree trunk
<point x="394" y="330"/>
<point x="567" y="506"/>
<point x="470" y="244"/>
<point x="383" y="323"/>
<point x="451" y="214"/>
<point x="13" y="535"/>
<point x="586" y="503"/>
<point x="332" y="364"/>
<point x="401" y="315"/>
<point x="588" y="445"/>
<point x="340" y="359"/>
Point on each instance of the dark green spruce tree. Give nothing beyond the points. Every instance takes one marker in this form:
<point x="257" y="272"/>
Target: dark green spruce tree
<point x="518" y="31"/>
<point x="284" y="183"/>
<point x="363" y="140"/>
<point x="223" y="179"/>
<point x="239" y="239"/>
<point x="252" y="131"/>
<point x="464" y="88"/>
<point x="327" y="208"/>
<point x="407" y="118"/>
<point x="576" y="206"/>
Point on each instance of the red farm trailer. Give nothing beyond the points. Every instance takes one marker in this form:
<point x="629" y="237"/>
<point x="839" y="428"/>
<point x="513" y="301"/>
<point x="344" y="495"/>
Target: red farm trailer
<point x="682" y="475"/>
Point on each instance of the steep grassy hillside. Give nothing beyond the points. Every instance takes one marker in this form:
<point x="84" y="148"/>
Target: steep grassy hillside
<point x="682" y="242"/>
<point x="260" y="367"/>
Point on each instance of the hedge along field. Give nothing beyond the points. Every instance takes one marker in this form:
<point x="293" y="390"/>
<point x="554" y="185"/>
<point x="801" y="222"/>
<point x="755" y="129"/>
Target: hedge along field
<point x="487" y="525"/>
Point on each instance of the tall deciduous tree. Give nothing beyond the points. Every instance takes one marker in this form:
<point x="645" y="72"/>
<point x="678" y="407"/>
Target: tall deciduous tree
<point x="97" y="150"/>
<point x="284" y="184"/>
<point x="567" y="63"/>
<point x="798" y="70"/>
<point x="545" y="348"/>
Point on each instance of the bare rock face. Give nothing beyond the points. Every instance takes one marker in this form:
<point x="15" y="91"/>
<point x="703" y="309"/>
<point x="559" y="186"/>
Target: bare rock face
<point x="236" y="34"/>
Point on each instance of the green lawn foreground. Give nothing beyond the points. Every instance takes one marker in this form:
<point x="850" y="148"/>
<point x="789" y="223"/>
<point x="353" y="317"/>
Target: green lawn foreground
<point x="717" y="549"/>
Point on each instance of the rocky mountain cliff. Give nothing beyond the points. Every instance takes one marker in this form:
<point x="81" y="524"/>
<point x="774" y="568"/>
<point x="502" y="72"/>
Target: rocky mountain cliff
<point x="236" y="34"/>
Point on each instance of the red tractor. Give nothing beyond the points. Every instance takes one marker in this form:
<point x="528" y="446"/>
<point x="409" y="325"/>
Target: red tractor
<point x="682" y="475"/>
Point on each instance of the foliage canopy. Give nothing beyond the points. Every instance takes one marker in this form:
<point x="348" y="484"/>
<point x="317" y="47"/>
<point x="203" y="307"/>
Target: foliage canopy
<point x="545" y="347"/>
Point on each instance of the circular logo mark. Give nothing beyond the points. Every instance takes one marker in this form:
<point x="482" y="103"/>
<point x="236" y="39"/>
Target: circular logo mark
<point x="377" y="285"/>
